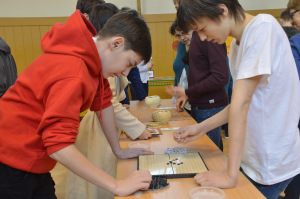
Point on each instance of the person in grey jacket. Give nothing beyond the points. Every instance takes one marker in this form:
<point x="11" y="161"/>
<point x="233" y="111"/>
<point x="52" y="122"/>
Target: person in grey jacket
<point x="8" y="69"/>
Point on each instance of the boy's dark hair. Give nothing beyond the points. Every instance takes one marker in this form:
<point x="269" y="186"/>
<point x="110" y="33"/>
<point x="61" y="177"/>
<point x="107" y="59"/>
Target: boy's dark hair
<point x="191" y="10"/>
<point x="285" y="15"/>
<point x="129" y="25"/>
<point x="101" y="13"/>
<point x="85" y="6"/>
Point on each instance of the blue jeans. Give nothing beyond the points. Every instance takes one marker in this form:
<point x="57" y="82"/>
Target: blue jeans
<point x="200" y="114"/>
<point x="270" y="191"/>
<point x="293" y="189"/>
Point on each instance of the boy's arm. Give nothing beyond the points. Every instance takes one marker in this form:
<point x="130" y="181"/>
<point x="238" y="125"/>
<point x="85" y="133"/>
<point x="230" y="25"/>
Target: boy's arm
<point x="240" y="102"/>
<point x="108" y="125"/>
<point x="192" y="132"/>
<point x="71" y="158"/>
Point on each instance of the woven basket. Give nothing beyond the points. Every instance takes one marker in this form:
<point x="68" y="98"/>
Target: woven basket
<point x="162" y="116"/>
<point x="153" y="101"/>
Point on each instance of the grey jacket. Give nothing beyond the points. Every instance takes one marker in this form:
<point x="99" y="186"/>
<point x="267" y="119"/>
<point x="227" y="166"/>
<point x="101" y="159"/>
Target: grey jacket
<point x="8" y="69"/>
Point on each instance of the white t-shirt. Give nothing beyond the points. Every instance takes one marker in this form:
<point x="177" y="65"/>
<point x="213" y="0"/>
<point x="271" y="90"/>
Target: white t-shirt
<point x="143" y="68"/>
<point x="272" y="146"/>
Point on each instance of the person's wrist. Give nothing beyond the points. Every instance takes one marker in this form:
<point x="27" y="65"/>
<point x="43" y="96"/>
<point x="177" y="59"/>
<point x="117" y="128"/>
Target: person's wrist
<point x="118" y="152"/>
<point x="232" y="178"/>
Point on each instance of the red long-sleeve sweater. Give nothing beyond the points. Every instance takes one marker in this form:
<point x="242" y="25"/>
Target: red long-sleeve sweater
<point x="40" y="114"/>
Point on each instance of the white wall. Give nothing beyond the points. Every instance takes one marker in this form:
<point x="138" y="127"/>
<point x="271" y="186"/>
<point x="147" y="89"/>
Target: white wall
<point x="61" y="8"/>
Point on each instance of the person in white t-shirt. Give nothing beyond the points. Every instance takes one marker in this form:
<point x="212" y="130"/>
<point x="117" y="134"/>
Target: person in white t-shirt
<point x="143" y="68"/>
<point x="264" y="111"/>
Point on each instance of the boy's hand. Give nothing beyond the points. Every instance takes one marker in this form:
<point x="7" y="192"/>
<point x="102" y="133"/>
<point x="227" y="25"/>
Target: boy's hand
<point x="133" y="153"/>
<point x="145" y="135"/>
<point x="181" y="102"/>
<point x="138" y="180"/>
<point x="188" y="133"/>
<point x="215" y="179"/>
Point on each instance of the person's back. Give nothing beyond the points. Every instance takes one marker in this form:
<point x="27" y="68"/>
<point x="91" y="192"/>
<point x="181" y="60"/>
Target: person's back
<point x="8" y="69"/>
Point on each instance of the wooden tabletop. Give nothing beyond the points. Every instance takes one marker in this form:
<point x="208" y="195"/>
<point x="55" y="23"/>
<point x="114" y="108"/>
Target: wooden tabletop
<point x="180" y="187"/>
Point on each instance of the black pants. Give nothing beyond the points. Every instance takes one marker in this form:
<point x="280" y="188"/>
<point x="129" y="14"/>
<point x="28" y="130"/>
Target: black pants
<point x="18" y="184"/>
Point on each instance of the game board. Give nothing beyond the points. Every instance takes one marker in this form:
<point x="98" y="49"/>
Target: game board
<point x="173" y="165"/>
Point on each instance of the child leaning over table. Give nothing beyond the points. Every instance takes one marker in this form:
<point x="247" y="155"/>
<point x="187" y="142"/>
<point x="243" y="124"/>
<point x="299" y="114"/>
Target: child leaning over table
<point x="91" y="141"/>
<point x="40" y="114"/>
<point x="264" y="111"/>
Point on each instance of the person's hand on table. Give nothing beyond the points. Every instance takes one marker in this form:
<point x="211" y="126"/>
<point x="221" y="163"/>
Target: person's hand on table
<point x="181" y="102"/>
<point x="215" y="179"/>
<point x="133" y="153"/>
<point x="188" y="133"/>
<point x="138" y="180"/>
<point x="145" y="135"/>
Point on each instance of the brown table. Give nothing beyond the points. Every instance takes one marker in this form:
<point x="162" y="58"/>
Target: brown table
<point x="179" y="188"/>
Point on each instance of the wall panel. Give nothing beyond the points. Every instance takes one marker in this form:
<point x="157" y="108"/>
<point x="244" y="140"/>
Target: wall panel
<point x="23" y="35"/>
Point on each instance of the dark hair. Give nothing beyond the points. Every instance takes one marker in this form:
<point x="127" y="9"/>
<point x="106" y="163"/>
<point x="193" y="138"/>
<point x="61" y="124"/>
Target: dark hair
<point x="125" y="8"/>
<point x="285" y="15"/>
<point x="85" y="6"/>
<point x="191" y="10"/>
<point x="129" y="25"/>
<point x="174" y="27"/>
<point x="101" y="13"/>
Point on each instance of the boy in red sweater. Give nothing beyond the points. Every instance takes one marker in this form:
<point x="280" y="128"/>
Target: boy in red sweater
<point x="40" y="114"/>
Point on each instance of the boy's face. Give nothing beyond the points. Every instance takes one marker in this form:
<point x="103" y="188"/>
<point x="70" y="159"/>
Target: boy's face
<point x="210" y="30"/>
<point x="295" y="15"/>
<point x="115" y="60"/>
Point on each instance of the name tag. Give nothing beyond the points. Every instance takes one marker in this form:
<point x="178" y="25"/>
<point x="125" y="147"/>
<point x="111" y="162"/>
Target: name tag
<point x="211" y="101"/>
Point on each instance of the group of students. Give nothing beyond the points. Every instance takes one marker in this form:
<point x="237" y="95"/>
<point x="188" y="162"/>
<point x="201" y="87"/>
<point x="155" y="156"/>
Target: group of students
<point x="69" y="87"/>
